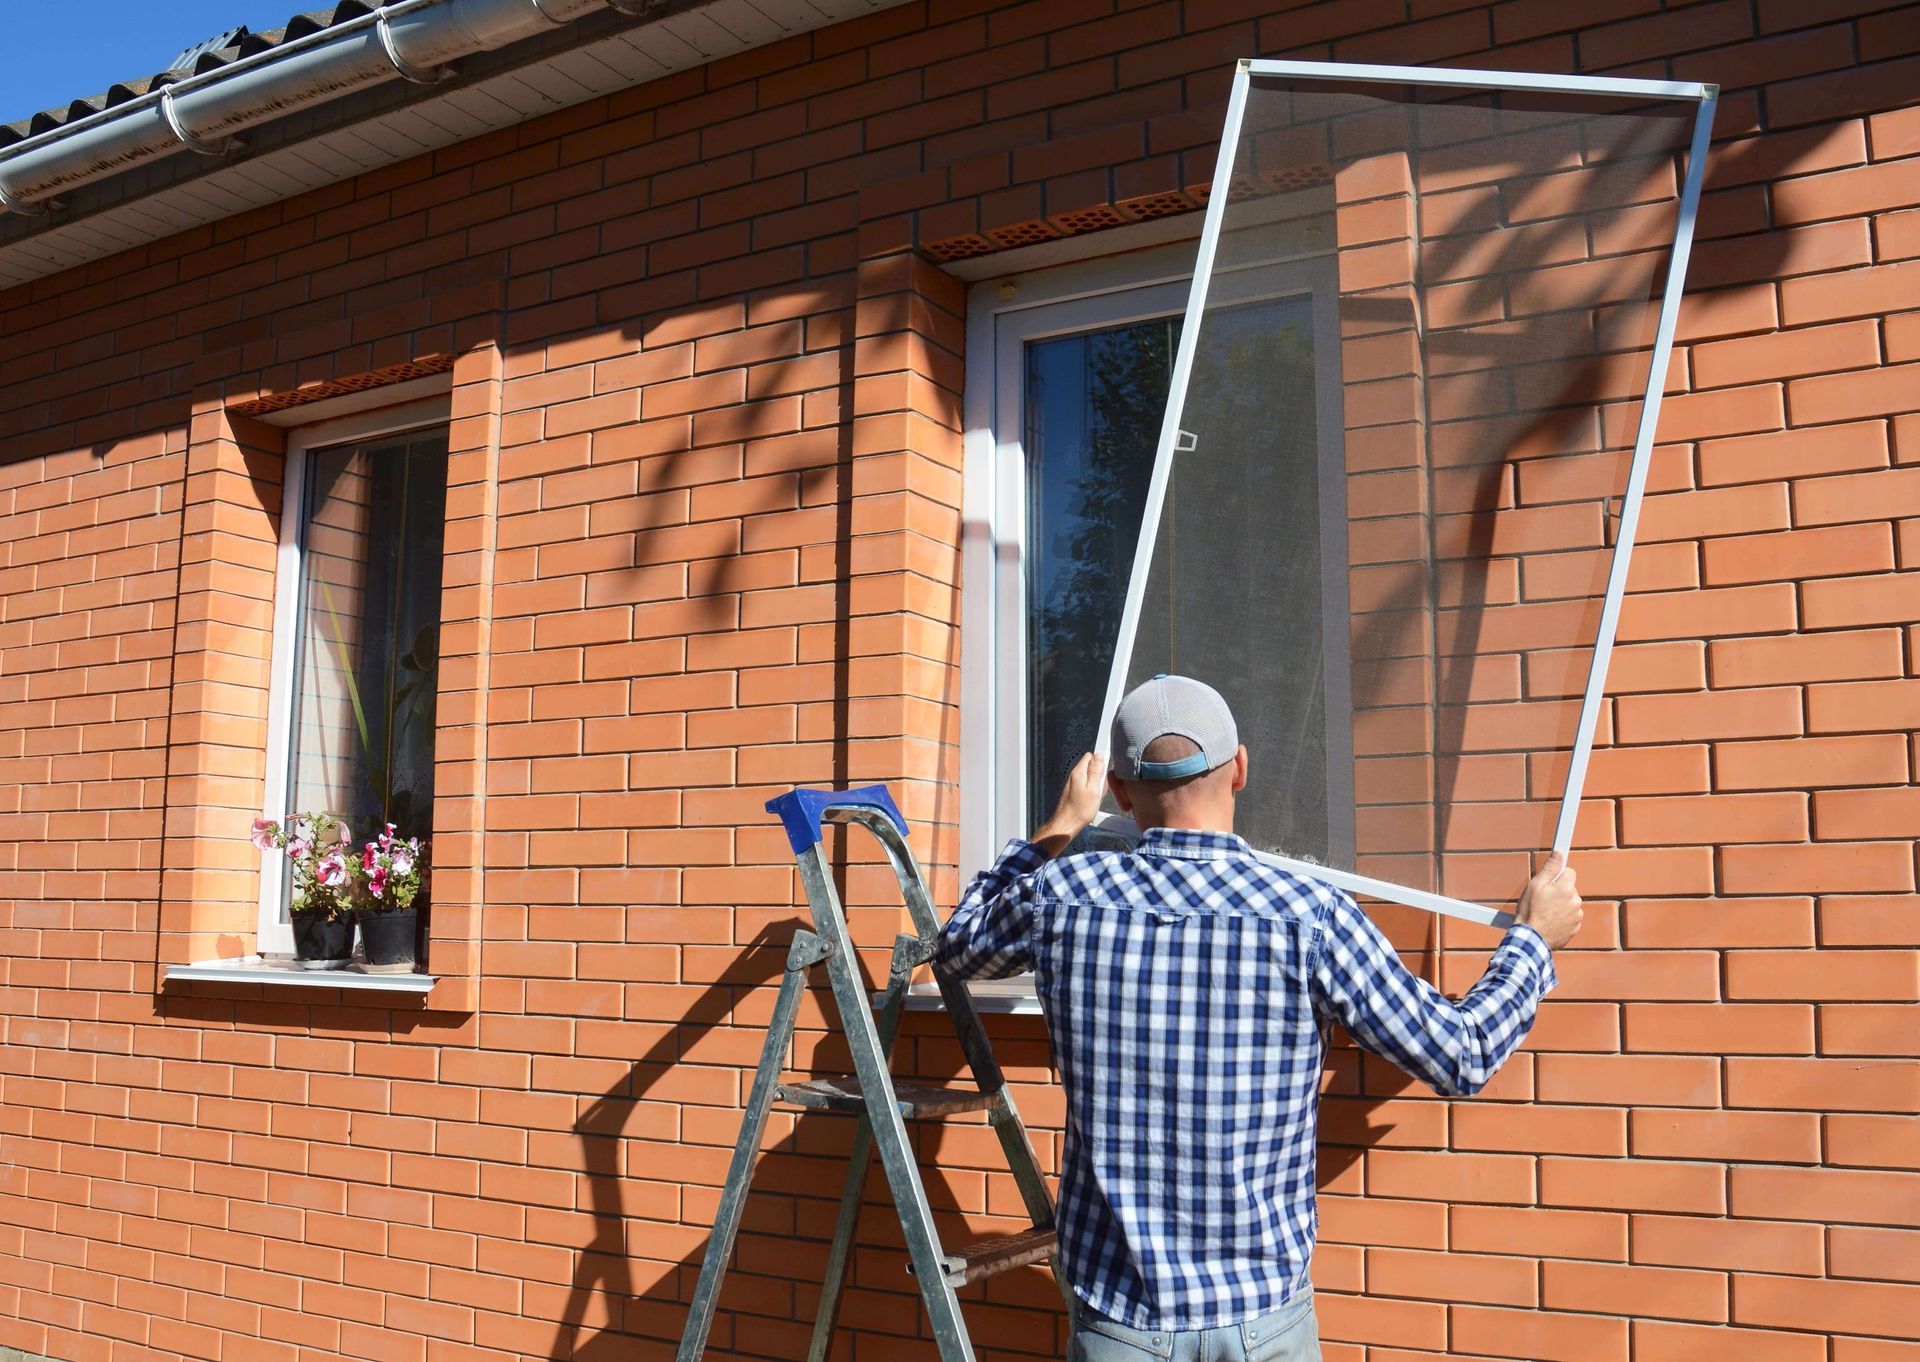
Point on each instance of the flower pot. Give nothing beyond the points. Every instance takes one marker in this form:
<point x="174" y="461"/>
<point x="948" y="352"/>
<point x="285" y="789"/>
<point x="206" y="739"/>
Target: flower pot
<point x="389" y="940"/>
<point x="320" y="942"/>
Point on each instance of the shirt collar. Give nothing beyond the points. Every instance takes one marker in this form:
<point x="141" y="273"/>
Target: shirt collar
<point x="1192" y="845"/>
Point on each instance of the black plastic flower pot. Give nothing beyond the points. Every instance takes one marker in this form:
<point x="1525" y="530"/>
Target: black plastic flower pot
<point x="322" y="943"/>
<point x="389" y="940"/>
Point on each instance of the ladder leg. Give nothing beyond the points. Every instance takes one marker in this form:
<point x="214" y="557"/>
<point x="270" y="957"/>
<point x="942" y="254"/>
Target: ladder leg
<point x="889" y="1129"/>
<point x="860" y="1158"/>
<point x="807" y="950"/>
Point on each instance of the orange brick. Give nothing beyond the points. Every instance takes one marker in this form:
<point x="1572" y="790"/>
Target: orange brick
<point x="1890" y="1085"/>
<point x="1831" y="656"/>
<point x="1762" y="1029"/>
<point x="1663" y="1341"/>
<point x="1872" y="1141"/>
<point x="1547" y="1337"/>
<point x="1480" y="1278"/>
<point x="1890" y="975"/>
<point x="1854" y="446"/>
<point x="1605" y="1288"/>
<point x="1713" y="819"/>
<point x="1846" y="867"/>
<point x="1811" y="763"/>
<point x="1827" y="1306"/>
<point x="1746" y="1136"/>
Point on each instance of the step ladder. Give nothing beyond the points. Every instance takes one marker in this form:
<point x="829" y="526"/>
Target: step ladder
<point x="881" y="1106"/>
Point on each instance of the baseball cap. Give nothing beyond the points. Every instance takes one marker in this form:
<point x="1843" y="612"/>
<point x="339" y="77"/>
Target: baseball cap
<point x="1176" y="705"/>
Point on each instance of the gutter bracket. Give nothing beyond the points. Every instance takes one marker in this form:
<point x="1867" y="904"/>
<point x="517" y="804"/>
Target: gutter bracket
<point x="633" y="9"/>
<point x="187" y="139"/>
<point x="408" y="71"/>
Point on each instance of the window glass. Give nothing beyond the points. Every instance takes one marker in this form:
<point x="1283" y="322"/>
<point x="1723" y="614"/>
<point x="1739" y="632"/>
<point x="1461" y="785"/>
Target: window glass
<point x="367" y="635"/>
<point x="1093" y="403"/>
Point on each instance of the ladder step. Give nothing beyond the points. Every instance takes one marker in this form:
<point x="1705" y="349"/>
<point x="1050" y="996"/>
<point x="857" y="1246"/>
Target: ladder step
<point x="990" y="1257"/>
<point x="920" y="1100"/>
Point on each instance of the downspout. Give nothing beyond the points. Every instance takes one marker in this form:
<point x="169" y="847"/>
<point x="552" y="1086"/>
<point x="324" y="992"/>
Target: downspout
<point x="413" y="38"/>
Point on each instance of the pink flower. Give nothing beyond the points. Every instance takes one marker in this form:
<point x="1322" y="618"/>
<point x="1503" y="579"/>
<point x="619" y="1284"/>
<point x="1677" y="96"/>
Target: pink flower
<point x="386" y="837"/>
<point x="332" y="870"/>
<point x="265" y="830"/>
<point x="377" y="882"/>
<point x="403" y="859"/>
<point x="367" y="857"/>
<point x="299" y="849"/>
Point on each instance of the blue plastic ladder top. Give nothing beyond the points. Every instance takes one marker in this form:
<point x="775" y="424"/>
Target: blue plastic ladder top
<point x="801" y="812"/>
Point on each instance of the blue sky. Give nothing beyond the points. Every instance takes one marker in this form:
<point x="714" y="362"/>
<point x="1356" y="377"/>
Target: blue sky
<point x="57" y="52"/>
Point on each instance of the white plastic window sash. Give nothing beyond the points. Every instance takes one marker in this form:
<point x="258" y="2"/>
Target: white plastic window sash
<point x="1706" y="95"/>
<point x="276" y="935"/>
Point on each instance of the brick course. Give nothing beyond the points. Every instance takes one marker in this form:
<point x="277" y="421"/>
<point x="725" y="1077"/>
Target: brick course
<point x="703" y="544"/>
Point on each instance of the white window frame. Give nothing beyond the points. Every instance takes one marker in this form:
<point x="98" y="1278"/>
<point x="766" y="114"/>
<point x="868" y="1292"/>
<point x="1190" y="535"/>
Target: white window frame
<point x="1003" y="315"/>
<point x="353" y="427"/>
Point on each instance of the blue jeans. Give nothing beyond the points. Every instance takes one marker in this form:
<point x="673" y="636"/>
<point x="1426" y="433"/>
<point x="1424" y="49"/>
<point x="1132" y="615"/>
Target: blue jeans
<point x="1289" y="1334"/>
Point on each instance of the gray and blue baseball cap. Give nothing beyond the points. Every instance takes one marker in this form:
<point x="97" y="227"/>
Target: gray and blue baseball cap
<point x="1176" y="705"/>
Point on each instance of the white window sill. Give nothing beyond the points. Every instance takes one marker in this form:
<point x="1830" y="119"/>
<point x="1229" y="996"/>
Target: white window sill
<point x="989" y="995"/>
<point x="280" y="970"/>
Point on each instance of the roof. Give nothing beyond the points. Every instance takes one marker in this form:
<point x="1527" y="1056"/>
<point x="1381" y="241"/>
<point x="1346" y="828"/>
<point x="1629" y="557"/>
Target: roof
<point x="220" y="50"/>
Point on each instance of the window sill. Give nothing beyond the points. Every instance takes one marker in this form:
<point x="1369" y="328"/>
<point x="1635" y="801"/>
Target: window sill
<point x="279" y="970"/>
<point x="989" y="995"/>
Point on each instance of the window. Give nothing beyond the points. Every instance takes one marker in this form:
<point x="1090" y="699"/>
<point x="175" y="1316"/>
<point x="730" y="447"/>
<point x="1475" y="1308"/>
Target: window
<point x="1068" y="379"/>
<point x="356" y="632"/>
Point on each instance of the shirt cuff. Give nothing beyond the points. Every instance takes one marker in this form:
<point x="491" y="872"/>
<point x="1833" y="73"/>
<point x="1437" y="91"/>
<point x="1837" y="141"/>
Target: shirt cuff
<point x="1528" y="944"/>
<point x="1019" y="856"/>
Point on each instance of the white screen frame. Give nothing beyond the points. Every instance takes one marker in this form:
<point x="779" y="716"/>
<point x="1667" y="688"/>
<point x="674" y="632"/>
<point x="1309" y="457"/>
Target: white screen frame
<point x="1705" y="97"/>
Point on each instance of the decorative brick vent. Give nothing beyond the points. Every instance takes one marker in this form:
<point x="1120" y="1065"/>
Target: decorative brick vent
<point x="424" y="367"/>
<point x="1024" y="234"/>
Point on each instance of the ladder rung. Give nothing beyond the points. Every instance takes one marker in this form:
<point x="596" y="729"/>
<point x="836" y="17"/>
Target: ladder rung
<point x="914" y="1099"/>
<point x="990" y="1257"/>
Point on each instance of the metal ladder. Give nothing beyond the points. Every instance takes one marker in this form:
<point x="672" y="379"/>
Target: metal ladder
<point x="881" y="1105"/>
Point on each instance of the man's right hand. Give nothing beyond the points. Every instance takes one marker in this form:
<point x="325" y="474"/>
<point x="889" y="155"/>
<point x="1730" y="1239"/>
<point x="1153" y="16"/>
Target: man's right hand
<point x="1550" y="904"/>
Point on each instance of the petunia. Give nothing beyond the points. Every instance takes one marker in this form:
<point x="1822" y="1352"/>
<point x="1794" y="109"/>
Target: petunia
<point x="299" y="850"/>
<point x="377" y="882"/>
<point x="332" y="870"/>
<point x="403" y="860"/>
<point x="367" y="858"/>
<point x="265" y="833"/>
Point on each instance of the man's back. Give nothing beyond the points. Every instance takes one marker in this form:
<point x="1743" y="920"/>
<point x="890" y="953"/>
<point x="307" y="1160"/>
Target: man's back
<point x="1186" y="985"/>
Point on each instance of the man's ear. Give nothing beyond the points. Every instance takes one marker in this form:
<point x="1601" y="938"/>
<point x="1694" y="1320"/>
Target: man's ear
<point x="1240" y="769"/>
<point x="1119" y="788"/>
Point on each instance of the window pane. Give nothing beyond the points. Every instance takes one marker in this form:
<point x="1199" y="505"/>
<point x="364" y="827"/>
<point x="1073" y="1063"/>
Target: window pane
<point x="1093" y="404"/>
<point x="367" y="641"/>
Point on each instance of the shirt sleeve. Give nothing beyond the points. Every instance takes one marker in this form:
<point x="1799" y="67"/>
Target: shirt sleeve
<point x="1455" y="1047"/>
<point x="988" y="936"/>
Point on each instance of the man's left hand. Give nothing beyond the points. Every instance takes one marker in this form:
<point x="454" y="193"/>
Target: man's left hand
<point x="1079" y="805"/>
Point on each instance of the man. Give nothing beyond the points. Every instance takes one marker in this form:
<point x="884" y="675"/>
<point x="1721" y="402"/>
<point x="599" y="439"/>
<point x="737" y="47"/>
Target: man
<point x="1187" y="986"/>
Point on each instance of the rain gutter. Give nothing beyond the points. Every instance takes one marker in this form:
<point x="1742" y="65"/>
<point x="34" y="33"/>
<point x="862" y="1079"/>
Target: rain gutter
<point x="412" y="40"/>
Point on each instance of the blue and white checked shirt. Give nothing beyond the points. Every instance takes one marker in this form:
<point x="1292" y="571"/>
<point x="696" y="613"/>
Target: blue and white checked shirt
<point x="1187" y="986"/>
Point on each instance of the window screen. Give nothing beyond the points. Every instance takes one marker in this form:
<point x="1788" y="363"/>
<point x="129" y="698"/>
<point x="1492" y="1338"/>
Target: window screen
<point x="1406" y="632"/>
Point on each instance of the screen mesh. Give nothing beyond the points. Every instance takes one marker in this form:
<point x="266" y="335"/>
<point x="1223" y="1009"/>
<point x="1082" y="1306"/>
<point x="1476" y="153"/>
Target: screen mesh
<point x="1391" y="506"/>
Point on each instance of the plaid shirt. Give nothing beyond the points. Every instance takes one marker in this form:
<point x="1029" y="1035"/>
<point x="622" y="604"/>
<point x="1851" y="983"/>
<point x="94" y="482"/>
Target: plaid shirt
<point x="1188" y="985"/>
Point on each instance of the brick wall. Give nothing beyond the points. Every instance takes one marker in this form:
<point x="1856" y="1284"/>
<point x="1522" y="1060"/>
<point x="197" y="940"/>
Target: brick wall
<point x="702" y="545"/>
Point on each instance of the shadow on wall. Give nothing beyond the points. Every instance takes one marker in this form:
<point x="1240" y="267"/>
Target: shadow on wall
<point x="626" y="1299"/>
